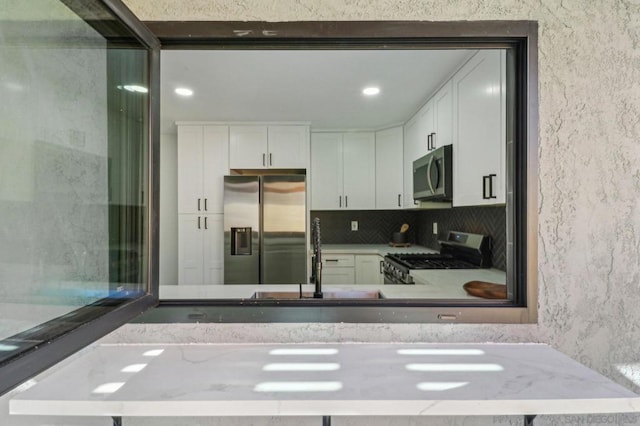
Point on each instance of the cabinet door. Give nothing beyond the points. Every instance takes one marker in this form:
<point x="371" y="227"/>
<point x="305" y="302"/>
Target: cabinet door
<point x="190" y="266"/>
<point x="215" y="161"/>
<point x="367" y="270"/>
<point x="213" y="248"/>
<point x="358" y="152"/>
<point x="247" y="147"/>
<point x="288" y="147"/>
<point x="479" y="131"/>
<point x="443" y="116"/>
<point x="338" y="276"/>
<point x="326" y="171"/>
<point x="427" y="128"/>
<point x="389" y="163"/>
<point x="190" y="169"/>
<point x="411" y="152"/>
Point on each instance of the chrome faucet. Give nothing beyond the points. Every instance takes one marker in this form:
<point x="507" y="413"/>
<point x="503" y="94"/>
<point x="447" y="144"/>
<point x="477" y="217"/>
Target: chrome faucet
<point x="316" y="259"/>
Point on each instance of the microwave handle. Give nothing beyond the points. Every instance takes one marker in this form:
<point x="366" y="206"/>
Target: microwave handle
<point x="433" y="191"/>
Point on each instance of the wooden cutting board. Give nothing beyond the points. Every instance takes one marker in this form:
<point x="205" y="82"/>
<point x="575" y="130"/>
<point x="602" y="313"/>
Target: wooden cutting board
<point x="486" y="290"/>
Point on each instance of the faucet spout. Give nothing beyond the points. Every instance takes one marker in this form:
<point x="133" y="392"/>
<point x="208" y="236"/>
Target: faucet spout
<point x="316" y="274"/>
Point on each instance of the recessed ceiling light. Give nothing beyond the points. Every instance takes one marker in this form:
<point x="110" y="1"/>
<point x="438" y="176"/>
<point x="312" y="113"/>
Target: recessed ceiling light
<point x="183" y="91"/>
<point x="371" y="91"/>
<point x="134" y="88"/>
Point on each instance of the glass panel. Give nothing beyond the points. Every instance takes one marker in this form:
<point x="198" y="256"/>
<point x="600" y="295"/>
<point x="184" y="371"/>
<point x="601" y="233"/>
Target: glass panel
<point x="73" y="169"/>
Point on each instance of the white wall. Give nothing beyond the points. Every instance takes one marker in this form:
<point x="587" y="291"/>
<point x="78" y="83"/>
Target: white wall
<point x="169" y="209"/>
<point x="589" y="200"/>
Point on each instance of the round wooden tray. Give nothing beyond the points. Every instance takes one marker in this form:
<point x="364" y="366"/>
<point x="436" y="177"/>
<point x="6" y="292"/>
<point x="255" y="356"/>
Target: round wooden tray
<point x="392" y="244"/>
<point x="486" y="290"/>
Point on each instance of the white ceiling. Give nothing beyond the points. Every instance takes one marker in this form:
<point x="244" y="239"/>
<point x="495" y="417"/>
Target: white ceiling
<point x="322" y="87"/>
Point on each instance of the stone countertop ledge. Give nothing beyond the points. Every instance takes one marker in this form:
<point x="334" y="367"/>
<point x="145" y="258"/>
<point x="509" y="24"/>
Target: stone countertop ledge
<point x="345" y="379"/>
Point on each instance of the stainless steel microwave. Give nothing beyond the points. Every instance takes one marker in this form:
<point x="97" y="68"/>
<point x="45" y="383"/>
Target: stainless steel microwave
<point x="432" y="176"/>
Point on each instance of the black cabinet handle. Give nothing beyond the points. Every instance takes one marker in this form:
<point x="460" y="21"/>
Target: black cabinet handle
<point x="270" y="159"/>
<point x="198" y="222"/>
<point x="381" y="266"/>
<point x="205" y="223"/>
<point x="487" y="187"/>
<point x="205" y="204"/>
<point x="346" y="201"/>
<point x="433" y="140"/>
<point x="198" y="204"/>
<point x="429" y="142"/>
<point x="340" y="201"/>
<point x="264" y="161"/>
<point x="399" y="204"/>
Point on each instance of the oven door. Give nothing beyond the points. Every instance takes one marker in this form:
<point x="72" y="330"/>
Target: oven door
<point x="389" y="279"/>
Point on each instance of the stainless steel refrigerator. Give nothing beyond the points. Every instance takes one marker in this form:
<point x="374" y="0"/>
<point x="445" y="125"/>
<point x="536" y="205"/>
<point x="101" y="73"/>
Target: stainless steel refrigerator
<point x="265" y="229"/>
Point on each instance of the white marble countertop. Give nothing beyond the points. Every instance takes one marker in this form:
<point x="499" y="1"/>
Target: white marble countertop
<point x="344" y="379"/>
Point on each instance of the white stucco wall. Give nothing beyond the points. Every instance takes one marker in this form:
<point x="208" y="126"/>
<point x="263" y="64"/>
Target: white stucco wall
<point x="589" y="179"/>
<point x="589" y="176"/>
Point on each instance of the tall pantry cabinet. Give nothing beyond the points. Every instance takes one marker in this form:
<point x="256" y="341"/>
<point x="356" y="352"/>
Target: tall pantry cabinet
<point x="203" y="153"/>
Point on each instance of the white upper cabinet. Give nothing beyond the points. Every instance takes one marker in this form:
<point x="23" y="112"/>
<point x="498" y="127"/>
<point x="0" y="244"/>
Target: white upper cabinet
<point x="215" y="163"/>
<point x="288" y="147"/>
<point x="248" y="147"/>
<point x="443" y="116"/>
<point x="326" y="171"/>
<point x="413" y="148"/>
<point x="343" y="171"/>
<point x="202" y="163"/>
<point x="359" y="173"/>
<point x="203" y="157"/>
<point x="261" y="147"/>
<point x="389" y="163"/>
<point x="426" y="125"/>
<point x="190" y="171"/>
<point x="480" y="130"/>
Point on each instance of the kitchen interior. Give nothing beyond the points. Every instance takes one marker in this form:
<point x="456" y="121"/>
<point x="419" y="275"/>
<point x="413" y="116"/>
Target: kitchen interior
<point x="355" y="174"/>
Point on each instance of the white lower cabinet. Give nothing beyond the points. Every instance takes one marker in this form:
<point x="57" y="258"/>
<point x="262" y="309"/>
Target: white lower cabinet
<point x="200" y="257"/>
<point x="337" y="276"/>
<point x="338" y="269"/>
<point x="368" y="269"/>
<point x="344" y="269"/>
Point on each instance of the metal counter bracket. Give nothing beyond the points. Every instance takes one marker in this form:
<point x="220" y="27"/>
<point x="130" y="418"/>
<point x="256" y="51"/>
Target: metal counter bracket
<point x="528" y="419"/>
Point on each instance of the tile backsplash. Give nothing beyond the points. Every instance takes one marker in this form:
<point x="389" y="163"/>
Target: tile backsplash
<point x="377" y="226"/>
<point x="374" y="226"/>
<point x="476" y="220"/>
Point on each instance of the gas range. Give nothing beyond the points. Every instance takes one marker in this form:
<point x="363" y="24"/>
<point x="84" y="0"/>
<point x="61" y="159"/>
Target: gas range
<point x="460" y="250"/>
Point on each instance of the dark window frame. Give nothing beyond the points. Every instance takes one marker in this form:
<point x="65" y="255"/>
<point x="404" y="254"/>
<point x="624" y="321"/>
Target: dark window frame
<point x="63" y="336"/>
<point x="521" y="36"/>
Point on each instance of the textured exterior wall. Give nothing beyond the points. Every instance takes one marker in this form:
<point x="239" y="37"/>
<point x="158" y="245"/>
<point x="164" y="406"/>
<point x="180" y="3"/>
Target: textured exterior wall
<point x="589" y="179"/>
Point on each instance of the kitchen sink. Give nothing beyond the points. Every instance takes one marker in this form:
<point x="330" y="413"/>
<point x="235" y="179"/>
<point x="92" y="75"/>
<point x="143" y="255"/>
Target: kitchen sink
<point x="337" y="294"/>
